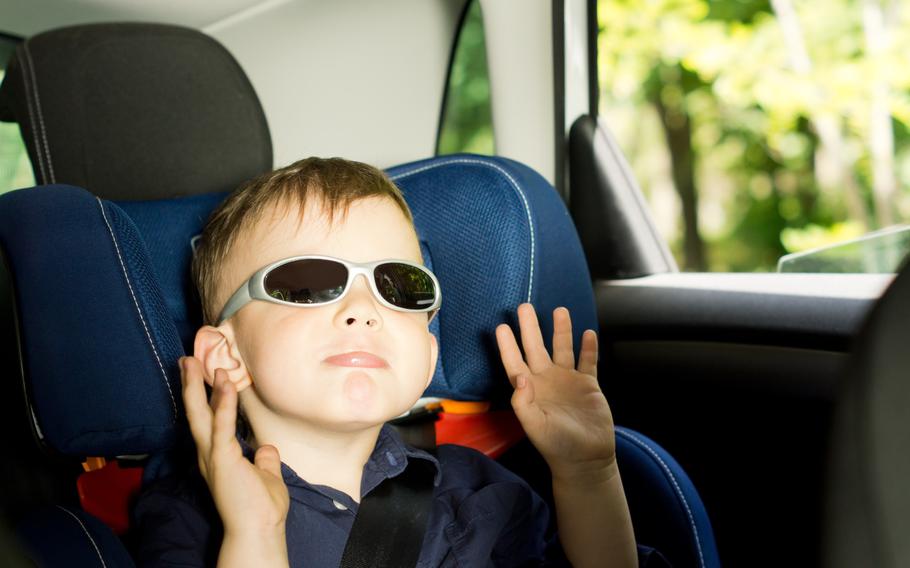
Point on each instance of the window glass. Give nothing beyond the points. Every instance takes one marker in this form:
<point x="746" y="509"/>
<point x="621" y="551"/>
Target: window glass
<point x="15" y="168"/>
<point x="878" y="252"/>
<point x="467" y="117"/>
<point x="760" y="128"/>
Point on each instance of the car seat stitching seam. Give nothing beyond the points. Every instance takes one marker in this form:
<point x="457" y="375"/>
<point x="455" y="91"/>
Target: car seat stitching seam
<point x="515" y="186"/>
<point x="88" y="534"/>
<point x="31" y="114"/>
<point x="679" y="492"/>
<point x="47" y="149"/>
<point x="148" y="335"/>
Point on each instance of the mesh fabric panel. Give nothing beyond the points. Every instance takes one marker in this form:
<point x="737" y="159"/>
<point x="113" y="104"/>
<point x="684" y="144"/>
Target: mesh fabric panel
<point x="483" y="220"/>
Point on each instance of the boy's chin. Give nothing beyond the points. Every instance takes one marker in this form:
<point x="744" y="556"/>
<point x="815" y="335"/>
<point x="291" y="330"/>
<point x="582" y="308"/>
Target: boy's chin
<point x="364" y="401"/>
<point x="360" y="390"/>
<point x="358" y="419"/>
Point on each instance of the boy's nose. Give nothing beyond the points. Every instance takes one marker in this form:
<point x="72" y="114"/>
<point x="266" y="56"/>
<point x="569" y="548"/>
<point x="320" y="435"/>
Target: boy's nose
<point x="358" y="308"/>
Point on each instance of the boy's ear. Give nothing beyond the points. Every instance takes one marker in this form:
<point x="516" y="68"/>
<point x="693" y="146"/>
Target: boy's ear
<point x="434" y="354"/>
<point x="215" y="347"/>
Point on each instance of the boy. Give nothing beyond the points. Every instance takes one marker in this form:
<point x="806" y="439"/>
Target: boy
<point x="320" y="358"/>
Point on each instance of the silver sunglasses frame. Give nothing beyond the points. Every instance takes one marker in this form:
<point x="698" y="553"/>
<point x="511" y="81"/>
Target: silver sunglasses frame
<point x="254" y="288"/>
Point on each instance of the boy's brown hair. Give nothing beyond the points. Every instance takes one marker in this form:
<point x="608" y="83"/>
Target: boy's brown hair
<point x="334" y="182"/>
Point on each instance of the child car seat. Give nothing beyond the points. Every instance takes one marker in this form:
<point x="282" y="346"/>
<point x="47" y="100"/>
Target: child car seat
<point x="104" y="306"/>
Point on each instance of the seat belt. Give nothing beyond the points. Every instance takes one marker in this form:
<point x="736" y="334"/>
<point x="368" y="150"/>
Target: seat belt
<point x="391" y="520"/>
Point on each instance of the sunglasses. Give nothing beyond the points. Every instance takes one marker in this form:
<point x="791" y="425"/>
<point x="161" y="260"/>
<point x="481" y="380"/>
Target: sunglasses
<point x="309" y="281"/>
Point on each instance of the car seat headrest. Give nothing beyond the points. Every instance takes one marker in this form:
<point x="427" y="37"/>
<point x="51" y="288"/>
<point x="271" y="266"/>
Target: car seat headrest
<point x="135" y="111"/>
<point x="498" y="235"/>
<point x="105" y="305"/>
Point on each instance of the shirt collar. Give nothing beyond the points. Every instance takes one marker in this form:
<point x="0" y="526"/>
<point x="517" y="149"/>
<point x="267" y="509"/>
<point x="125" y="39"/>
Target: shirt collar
<point x="389" y="459"/>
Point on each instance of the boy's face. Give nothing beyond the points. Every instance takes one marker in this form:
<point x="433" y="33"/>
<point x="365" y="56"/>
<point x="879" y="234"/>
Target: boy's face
<point x="296" y="356"/>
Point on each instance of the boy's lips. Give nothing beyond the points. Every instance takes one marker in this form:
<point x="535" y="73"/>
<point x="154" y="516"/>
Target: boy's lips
<point x="357" y="359"/>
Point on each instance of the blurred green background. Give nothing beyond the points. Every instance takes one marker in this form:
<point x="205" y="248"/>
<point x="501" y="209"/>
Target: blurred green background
<point x="759" y="128"/>
<point x="15" y="169"/>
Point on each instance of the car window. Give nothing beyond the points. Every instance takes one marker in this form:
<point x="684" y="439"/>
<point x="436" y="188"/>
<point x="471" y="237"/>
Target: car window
<point x="466" y="123"/>
<point x="761" y="128"/>
<point x="15" y="168"/>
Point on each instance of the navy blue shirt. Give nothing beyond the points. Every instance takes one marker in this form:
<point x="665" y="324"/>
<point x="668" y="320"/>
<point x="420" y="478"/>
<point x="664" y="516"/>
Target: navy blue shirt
<point x="482" y="515"/>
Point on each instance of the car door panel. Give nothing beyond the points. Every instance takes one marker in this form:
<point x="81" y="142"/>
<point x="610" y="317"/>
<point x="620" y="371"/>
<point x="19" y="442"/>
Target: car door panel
<point x="738" y="382"/>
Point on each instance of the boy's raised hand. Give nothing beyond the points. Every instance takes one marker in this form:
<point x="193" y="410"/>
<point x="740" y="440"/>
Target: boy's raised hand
<point x="251" y="498"/>
<point x="560" y="406"/>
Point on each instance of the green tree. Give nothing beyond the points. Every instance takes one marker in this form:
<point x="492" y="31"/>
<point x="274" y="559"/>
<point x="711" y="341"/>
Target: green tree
<point x="778" y="117"/>
<point x="467" y="121"/>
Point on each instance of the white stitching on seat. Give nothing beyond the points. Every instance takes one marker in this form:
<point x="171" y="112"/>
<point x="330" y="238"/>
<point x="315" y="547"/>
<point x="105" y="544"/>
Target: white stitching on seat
<point x="515" y="186"/>
<point x="31" y="116"/>
<point x="679" y="493"/>
<point x="138" y="310"/>
<point x="47" y="149"/>
<point x="85" y="530"/>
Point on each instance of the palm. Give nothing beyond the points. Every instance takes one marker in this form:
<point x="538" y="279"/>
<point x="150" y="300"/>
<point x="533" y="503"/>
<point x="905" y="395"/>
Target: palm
<point x="569" y="418"/>
<point x="561" y="408"/>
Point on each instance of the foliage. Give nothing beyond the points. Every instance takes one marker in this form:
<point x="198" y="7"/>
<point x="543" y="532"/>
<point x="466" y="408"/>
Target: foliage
<point x="467" y="123"/>
<point x="817" y="236"/>
<point x="786" y="105"/>
<point x="15" y="169"/>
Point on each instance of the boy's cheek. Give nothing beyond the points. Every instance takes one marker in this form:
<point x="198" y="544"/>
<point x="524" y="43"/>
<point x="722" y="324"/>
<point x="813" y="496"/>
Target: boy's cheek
<point x="434" y="356"/>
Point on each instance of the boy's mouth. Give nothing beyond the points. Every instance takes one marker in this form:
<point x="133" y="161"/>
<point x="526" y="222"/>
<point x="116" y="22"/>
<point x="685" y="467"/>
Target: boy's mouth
<point x="357" y="359"/>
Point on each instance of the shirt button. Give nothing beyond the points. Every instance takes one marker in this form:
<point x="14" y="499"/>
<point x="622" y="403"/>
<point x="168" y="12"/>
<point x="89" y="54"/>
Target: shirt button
<point x="339" y="506"/>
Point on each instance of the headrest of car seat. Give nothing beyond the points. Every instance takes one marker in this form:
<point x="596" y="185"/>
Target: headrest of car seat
<point x="135" y="111"/>
<point x="101" y="290"/>
<point x="498" y="235"/>
<point x="868" y="501"/>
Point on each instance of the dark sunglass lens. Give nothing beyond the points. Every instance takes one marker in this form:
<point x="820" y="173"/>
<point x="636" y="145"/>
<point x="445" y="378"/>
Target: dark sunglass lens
<point x="307" y="281"/>
<point x="405" y="286"/>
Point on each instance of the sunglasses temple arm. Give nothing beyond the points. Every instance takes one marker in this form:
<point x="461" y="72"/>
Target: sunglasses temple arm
<point x="240" y="298"/>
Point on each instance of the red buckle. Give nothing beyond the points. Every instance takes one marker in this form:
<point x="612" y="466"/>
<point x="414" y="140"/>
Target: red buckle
<point x="106" y="492"/>
<point x="489" y="432"/>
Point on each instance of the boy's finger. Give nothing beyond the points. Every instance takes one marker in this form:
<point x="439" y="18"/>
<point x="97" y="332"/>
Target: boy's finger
<point x="224" y="401"/>
<point x="195" y="404"/>
<point x="511" y="356"/>
<point x="531" y="339"/>
<point x="528" y="413"/>
<point x="562" y="339"/>
<point x="587" y="359"/>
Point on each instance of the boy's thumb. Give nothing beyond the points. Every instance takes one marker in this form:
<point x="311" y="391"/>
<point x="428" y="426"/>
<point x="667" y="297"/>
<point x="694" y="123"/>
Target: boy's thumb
<point x="267" y="459"/>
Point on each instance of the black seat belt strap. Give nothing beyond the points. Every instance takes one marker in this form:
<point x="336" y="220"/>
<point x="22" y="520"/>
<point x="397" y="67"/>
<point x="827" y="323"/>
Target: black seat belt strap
<point x="391" y="520"/>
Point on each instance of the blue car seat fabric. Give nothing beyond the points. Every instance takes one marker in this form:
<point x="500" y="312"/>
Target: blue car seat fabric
<point x="503" y="237"/>
<point x="77" y="540"/>
<point x="664" y="504"/>
<point x="99" y="349"/>
<point x="166" y="228"/>
<point x="106" y="308"/>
